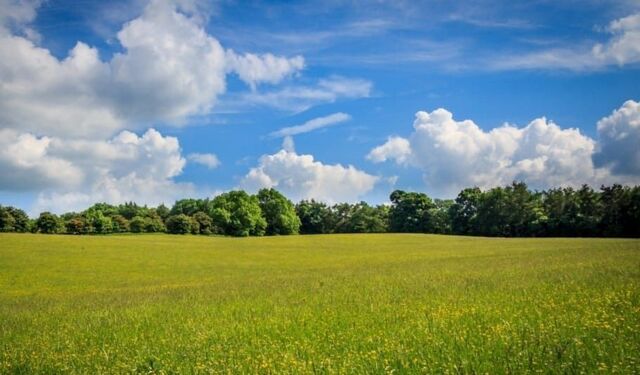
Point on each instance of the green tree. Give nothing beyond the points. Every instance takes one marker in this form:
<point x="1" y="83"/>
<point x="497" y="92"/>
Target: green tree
<point x="360" y="218"/>
<point x="99" y="223"/>
<point x="189" y="206"/>
<point x="410" y="212"/>
<point x="120" y="224"/>
<point x="238" y="214"/>
<point x="76" y="225"/>
<point x="49" y="223"/>
<point x="179" y="224"/>
<point x="154" y="223"/>
<point x="13" y="220"/>
<point x="315" y="217"/>
<point x="7" y="222"/>
<point x="138" y="224"/>
<point x="464" y="211"/>
<point x="438" y="217"/>
<point x="204" y="222"/>
<point x="130" y="209"/>
<point x="163" y="212"/>
<point x="278" y="212"/>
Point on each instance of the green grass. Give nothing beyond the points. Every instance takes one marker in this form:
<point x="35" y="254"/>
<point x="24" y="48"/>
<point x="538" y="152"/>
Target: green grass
<point x="326" y="304"/>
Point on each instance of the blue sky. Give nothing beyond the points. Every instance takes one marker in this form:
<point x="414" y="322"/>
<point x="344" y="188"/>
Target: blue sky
<point x="154" y="101"/>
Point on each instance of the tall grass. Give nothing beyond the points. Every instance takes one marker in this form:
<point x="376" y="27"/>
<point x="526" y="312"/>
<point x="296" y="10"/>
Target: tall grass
<point x="318" y="304"/>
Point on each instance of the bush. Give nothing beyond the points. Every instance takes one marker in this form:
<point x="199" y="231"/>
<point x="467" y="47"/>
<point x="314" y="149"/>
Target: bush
<point x="49" y="223"/>
<point x="179" y="224"/>
<point x="203" y="222"/>
<point x="137" y="224"/>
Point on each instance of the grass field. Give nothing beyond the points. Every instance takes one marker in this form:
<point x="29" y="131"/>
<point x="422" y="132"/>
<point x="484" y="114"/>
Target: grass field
<point x="326" y="304"/>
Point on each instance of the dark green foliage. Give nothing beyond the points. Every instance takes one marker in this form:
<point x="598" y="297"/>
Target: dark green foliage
<point x="439" y="217"/>
<point x="179" y="224"/>
<point x="154" y="223"/>
<point x="203" y="223"/>
<point x="315" y="217"/>
<point x="163" y="212"/>
<point x="138" y="224"/>
<point x="20" y="219"/>
<point x="120" y="224"/>
<point x="621" y="213"/>
<point x="463" y="212"/>
<point x="410" y="212"/>
<point x="49" y="223"/>
<point x="510" y="211"/>
<point x="13" y="220"/>
<point x="238" y="214"/>
<point x="130" y="209"/>
<point x="278" y="212"/>
<point x="98" y="222"/>
<point x="7" y="222"/>
<point x="360" y="218"/>
<point x="188" y="207"/>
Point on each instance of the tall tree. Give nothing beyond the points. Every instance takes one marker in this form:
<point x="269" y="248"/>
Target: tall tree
<point x="410" y="212"/>
<point x="49" y="223"/>
<point x="464" y="211"/>
<point x="315" y="217"/>
<point x="238" y="214"/>
<point x="278" y="212"/>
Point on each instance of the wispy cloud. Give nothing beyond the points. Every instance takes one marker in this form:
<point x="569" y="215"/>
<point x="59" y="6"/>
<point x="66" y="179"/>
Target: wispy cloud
<point x="311" y="125"/>
<point x="622" y="48"/>
<point x="299" y="98"/>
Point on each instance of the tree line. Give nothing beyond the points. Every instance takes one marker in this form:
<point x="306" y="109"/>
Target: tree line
<point x="509" y="211"/>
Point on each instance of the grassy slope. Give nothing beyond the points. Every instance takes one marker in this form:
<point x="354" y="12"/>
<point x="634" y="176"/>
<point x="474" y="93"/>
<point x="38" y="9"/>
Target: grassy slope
<point x="340" y="303"/>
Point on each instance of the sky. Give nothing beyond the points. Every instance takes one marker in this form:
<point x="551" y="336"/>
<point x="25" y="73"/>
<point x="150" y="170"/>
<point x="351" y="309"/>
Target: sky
<point x="339" y="101"/>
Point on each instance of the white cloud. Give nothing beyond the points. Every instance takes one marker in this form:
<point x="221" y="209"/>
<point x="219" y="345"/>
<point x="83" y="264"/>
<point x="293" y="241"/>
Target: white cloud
<point x="266" y="68"/>
<point x="169" y="69"/>
<point x="210" y="161"/>
<point x="302" y="177"/>
<point x="288" y="144"/>
<point x="619" y="140"/>
<point x="25" y="163"/>
<point x="71" y="174"/>
<point x="456" y="154"/>
<point x="311" y="125"/>
<point x="146" y="191"/>
<point x="17" y="14"/>
<point x="396" y="148"/>
<point x="622" y="48"/>
<point x="299" y="98"/>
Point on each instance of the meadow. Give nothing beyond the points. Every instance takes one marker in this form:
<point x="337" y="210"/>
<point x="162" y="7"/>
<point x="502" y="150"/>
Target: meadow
<point x="318" y="304"/>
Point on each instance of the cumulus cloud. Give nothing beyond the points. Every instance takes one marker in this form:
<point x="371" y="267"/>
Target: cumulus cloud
<point x="266" y="68"/>
<point x="455" y="154"/>
<point x="619" y="140"/>
<point x="169" y="69"/>
<point x="311" y="125"/>
<point x="302" y="177"/>
<point x="210" y="161"/>
<point x="115" y="191"/>
<point x="26" y="164"/>
<point x="624" y="46"/>
<point x="74" y="173"/>
<point x="16" y="15"/>
<point x="396" y="148"/>
<point x="63" y="120"/>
